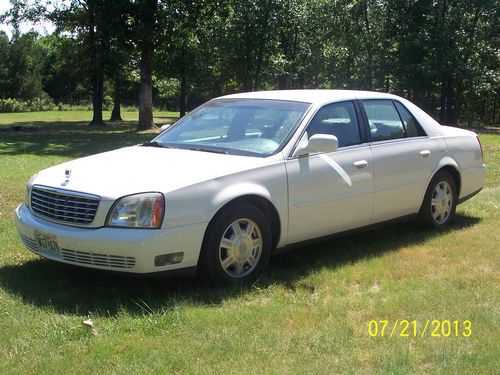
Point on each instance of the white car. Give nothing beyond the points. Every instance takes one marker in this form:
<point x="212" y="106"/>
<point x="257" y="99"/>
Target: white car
<point x="246" y="175"/>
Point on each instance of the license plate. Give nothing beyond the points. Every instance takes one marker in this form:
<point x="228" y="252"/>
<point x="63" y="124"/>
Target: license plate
<point x="47" y="243"/>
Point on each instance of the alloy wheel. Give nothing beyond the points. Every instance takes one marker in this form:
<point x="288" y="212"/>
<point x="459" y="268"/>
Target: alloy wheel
<point x="442" y="202"/>
<point x="240" y="248"/>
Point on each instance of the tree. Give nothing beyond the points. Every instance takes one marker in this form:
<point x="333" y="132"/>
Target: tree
<point x="84" y="20"/>
<point x="65" y="78"/>
<point x="441" y="54"/>
<point x="22" y="60"/>
<point x="120" y="54"/>
<point x="184" y="49"/>
<point x="21" y="67"/>
<point x="146" y="12"/>
<point x="250" y="37"/>
<point x="4" y="66"/>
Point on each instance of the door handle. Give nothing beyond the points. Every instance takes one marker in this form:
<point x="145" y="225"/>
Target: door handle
<point x="360" y="164"/>
<point x="425" y="153"/>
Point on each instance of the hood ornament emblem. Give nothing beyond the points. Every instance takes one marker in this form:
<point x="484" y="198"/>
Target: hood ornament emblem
<point x="67" y="174"/>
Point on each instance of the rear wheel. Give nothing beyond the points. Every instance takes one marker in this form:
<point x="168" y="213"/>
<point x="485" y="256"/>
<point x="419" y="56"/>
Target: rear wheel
<point x="237" y="247"/>
<point x="440" y="202"/>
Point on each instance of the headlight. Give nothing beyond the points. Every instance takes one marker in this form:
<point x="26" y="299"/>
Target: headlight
<point x="138" y="211"/>
<point x="29" y="185"/>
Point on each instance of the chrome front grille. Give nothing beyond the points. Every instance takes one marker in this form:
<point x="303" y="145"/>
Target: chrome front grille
<point x="64" y="205"/>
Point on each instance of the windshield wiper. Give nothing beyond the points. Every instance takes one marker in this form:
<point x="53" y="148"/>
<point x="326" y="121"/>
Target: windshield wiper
<point x="154" y="144"/>
<point x="198" y="148"/>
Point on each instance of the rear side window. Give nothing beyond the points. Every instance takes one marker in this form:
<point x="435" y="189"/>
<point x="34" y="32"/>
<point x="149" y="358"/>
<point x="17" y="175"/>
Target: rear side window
<point x="384" y="120"/>
<point x="338" y="119"/>
<point x="413" y="128"/>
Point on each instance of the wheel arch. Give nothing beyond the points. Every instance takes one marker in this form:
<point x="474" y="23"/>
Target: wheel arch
<point x="263" y="203"/>
<point x="449" y="165"/>
<point x="454" y="172"/>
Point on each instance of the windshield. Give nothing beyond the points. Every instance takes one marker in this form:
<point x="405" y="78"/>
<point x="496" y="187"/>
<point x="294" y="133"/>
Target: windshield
<point x="235" y="126"/>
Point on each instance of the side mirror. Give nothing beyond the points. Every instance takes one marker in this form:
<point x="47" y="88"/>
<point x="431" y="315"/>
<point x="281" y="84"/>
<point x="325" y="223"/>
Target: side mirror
<point x="164" y="127"/>
<point x="317" y="143"/>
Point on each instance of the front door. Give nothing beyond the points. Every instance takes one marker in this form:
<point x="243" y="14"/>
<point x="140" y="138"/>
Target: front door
<point x="331" y="192"/>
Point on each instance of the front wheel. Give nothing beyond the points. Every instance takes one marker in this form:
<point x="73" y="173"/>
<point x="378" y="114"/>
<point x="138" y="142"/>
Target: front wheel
<point x="237" y="246"/>
<point x="440" y="202"/>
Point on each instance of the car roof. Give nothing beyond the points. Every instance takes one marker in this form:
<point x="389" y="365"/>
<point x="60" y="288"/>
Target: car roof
<point x="320" y="97"/>
<point x="317" y="97"/>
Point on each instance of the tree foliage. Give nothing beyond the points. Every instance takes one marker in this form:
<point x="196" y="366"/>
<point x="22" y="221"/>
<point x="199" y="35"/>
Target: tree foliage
<point x="441" y="54"/>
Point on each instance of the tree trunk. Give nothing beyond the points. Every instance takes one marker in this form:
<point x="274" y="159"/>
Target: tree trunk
<point x="146" y="90"/>
<point x="97" y="73"/>
<point x="450" y="103"/>
<point x="97" y="98"/>
<point x="369" y="49"/>
<point x="442" y="103"/>
<point x="282" y="82"/>
<point x="458" y="101"/>
<point x="260" y="51"/>
<point x="182" y="104"/>
<point x="147" y="17"/>
<point x="387" y="84"/>
<point x="494" y="112"/>
<point x="116" y="113"/>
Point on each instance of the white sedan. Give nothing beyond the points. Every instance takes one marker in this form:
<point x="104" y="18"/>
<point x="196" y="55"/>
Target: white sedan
<point x="246" y="175"/>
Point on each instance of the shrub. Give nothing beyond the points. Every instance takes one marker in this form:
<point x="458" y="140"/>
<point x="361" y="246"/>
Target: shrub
<point x="45" y="103"/>
<point x="11" y="105"/>
<point x="107" y="103"/>
<point x="39" y="104"/>
<point x="42" y="103"/>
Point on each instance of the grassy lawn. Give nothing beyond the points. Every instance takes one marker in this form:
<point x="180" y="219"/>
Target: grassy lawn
<point x="309" y="313"/>
<point x="84" y="117"/>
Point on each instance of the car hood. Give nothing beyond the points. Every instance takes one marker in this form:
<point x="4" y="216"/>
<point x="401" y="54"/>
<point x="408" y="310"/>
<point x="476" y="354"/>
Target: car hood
<point x="138" y="169"/>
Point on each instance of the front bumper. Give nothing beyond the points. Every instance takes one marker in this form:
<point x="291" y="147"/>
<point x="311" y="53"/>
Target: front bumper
<point x="113" y="249"/>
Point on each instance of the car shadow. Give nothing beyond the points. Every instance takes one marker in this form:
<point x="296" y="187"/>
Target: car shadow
<point x="74" y="290"/>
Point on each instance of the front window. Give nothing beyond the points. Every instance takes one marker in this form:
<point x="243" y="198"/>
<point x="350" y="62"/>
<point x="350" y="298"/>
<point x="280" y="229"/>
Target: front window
<point x="338" y="119"/>
<point x="256" y="127"/>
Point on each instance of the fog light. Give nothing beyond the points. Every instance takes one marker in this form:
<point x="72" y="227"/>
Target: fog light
<point x="166" y="259"/>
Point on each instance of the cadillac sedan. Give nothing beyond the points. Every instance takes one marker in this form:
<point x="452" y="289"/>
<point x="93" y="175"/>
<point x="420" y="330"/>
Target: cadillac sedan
<point x="247" y="175"/>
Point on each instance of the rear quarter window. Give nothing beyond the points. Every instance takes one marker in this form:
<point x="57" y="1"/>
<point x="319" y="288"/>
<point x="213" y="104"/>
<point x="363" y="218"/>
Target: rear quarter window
<point x="413" y="128"/>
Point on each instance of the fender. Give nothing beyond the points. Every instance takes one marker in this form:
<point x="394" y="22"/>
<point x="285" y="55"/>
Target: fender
<point x="240" y="190"/>
<point x="445" y="161"/>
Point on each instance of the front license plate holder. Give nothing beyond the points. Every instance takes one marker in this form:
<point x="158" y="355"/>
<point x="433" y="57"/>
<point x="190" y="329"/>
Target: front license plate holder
<point x="47" y="243"/>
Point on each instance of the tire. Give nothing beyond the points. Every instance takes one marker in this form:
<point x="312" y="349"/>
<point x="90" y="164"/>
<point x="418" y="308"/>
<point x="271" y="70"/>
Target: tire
<point x="440" y="201"/>
<point x="237" y="246"/>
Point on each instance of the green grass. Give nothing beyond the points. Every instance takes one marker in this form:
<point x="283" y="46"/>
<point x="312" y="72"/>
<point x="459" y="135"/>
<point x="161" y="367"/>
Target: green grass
<point x="309" y="312"/>
<point x="74" y="116"/>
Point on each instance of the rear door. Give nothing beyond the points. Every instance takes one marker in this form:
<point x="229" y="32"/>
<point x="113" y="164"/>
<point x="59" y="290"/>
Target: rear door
<point x="404" y="157"/>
